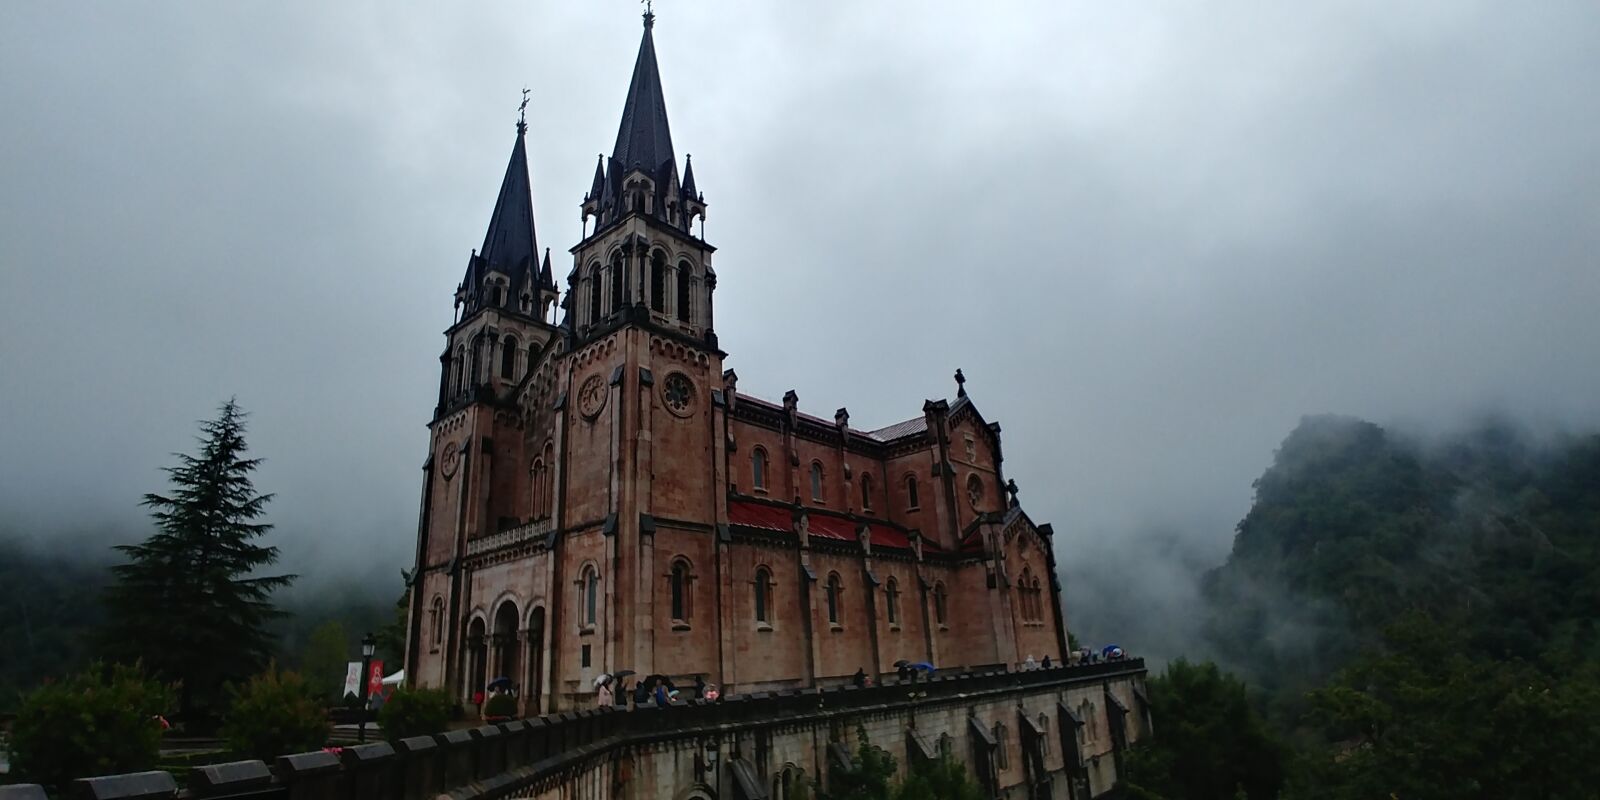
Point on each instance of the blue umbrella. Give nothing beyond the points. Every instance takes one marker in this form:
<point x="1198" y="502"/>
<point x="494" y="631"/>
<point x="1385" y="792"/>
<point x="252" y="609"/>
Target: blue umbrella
<point x="499" y="683"/>
<point x="923" y="665"/>
<point x="1110" y="651"/>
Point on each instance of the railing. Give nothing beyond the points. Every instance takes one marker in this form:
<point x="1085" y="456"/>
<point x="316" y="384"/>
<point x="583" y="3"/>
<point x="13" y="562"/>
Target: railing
<point x="499" y="760"/>
<point x="507" y="538"/>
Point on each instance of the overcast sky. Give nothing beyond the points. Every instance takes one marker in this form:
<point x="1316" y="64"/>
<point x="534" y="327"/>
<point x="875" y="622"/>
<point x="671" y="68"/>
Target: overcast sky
<point x="1153" y="235"/>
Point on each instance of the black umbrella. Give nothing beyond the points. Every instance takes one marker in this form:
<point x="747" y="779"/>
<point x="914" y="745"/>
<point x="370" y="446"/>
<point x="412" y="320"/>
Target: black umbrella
<point x="623" y="673"/>
<point x="499" y="683"/>
<point x="902" y="664"/>
<point x="665" y="681"/>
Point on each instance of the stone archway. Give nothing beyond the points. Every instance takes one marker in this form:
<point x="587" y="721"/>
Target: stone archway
<point x="507" y="650"/>
<point x="474" y="679"/>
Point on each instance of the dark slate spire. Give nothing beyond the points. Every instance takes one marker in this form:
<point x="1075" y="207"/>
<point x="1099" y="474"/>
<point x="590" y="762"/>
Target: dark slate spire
<point x="510" y="246"/>
<point x="643" y="140"/>
<point x="688" y="177"/>
<point x="599" y="187"/>
<point x="546" y="280"/>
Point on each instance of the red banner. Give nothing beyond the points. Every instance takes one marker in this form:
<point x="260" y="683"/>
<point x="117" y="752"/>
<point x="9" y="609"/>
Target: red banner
<point x="375" y="678"/>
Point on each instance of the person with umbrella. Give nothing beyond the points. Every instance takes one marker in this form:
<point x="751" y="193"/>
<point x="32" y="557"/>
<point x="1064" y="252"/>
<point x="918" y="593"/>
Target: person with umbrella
<point x="603" y="694"/>
<point x="620" y="689"/>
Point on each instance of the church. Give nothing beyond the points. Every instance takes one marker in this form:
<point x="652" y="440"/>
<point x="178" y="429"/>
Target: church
<point x="599" y="495"/>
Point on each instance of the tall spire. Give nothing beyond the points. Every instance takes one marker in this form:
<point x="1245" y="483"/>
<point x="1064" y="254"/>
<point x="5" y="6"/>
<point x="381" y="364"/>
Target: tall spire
<point x="644" y="140"/>
<point x="510" y="246"/>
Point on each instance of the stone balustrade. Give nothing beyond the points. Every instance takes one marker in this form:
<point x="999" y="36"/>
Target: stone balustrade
<point x="508" y="538"/>
<point x="523" y="757"/>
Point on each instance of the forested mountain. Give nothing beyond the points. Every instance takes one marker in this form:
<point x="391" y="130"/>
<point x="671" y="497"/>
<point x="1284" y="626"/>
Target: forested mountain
<point x="1354" y="527"/>
<point x="1416" y="618"/>
<point x="51" y="604"/>
<point x="48" y="606"/>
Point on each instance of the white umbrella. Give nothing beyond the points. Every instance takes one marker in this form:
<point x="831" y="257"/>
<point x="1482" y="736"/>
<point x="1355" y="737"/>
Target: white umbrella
<point x="395" y="679"/>
<point x="602" y="679"/>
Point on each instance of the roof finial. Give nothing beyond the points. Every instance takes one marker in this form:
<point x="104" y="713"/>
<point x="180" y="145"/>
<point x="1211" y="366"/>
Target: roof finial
<point x="522" y="113"/>
<point x="649" y="15"/>
<point x="961" y="383"/>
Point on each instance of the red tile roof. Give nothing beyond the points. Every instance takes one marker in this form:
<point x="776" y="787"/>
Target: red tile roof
<point x="830" y="527"/>
<point x="973" y="543"/>
<point x="759" y="515"/>
<point x="765" y="516"/>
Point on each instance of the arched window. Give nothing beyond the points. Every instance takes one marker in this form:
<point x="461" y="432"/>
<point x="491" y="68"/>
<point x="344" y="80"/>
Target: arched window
<point x="508" y="358"/>
<point x="911" y="492"/>
<point x="480" y="370"/>
<point x="546" y="486"/>
<point x="866" y="492"/>
<point x="758" y="469"/>
<point x="835" y="588"/>
<point x="594" y="293"/>
<point x="763" y="595"/>
<point x="684" y="271"/>
<point x="498" y="296"/>
<point x="816" y="481"/>
<point x="618" y="281"/>
<point x="941" y="604"/>
<point x="1025" y="595"/>
<point x="537" y="488"/>
<point x="589" y="585"/>
<point x="891" y="595"/>
<point x="974" y="490"/>
<point x="460" y="365"/>
<point x="658" y="282"/>
<point x="682" y="582"/>
<point x="436" y="621"/>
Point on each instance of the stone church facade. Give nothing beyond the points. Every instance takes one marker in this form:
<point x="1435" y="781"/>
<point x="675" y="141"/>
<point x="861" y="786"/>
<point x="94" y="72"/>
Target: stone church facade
<point x="600" y="496"/>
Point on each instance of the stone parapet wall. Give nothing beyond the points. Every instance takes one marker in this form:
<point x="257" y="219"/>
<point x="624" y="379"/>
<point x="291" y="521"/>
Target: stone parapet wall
<point x="739" y="747"/>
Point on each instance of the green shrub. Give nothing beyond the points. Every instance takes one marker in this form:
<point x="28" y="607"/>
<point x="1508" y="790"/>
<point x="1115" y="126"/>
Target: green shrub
<point x="414" y="712"/>
<point x="274" y="714"/>
<point x="500" y="705"/>
<point x="945" y="779"/>
<point x="102" y="721"/>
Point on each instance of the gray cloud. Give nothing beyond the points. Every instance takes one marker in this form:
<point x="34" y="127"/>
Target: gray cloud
<point x="1153" y="236"/>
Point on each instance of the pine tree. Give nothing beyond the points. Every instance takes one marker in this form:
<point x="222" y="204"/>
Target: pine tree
<point x="189" y="603"/>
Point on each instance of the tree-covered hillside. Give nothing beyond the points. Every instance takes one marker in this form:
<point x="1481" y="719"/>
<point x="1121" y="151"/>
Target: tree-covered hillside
<point x="1415" y="618"/>
<point x="1354" y="527"/>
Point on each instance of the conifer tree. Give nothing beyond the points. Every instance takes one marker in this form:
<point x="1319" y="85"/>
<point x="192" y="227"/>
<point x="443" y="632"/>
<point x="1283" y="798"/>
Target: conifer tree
<point x="190" y="603"/>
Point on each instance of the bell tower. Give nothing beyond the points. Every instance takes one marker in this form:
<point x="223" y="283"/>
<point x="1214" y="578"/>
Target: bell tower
<point x="640" y="261"/>
<point x="642" y="416"/>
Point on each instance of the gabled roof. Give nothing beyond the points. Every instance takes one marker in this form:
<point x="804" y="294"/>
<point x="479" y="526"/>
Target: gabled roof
<point x="910" y="427"/>
<point x="643" y="139"/>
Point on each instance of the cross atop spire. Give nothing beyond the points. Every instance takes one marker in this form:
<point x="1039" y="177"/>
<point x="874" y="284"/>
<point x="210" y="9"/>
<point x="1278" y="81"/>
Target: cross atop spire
<point x="522" y="113"/>
<point x="649" y="15"/>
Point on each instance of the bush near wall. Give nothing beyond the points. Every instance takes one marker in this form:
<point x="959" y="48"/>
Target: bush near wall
<point x="275" y="714"/>
<point x="414" y="712"/>
<point x="102" y="721"/>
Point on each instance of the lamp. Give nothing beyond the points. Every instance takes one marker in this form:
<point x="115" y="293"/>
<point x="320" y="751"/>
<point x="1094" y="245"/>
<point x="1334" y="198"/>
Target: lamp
<point x="369" y="645"/>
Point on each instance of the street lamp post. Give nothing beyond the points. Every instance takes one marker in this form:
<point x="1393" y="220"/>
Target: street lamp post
<point x="369" y="645"/>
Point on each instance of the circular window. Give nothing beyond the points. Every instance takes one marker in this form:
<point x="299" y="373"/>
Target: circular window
<point x="677" y="392"/>
<point x="592" y="396"/>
